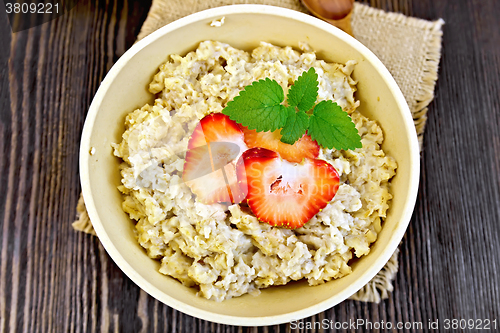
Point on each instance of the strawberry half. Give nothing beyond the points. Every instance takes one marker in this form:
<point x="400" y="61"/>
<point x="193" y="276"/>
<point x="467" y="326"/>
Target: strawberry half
<point x="282" y="193"/>
<point x="305" y="147"/>
<point x="210" y="166"/>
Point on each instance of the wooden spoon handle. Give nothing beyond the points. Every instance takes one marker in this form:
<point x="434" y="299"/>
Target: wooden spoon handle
<point x="335" y="12"/>
<point x="343" y="24"/>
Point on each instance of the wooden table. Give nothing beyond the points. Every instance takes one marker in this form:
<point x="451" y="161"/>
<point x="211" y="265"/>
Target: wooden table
<point x="53" y="279"/>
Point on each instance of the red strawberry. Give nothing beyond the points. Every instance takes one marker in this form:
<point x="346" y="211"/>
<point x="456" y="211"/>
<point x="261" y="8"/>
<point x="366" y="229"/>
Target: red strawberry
<point x="305" y="147"/>
<point x="283" y="193"/>
<point x="210" y="167"/>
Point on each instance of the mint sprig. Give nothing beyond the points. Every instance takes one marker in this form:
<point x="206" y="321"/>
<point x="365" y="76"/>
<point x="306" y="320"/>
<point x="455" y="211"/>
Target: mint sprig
<point x="304" y="92"/>
<point x="260" y="107"/>
<point x="331" y="127"/>
<point x="295" y="127"/>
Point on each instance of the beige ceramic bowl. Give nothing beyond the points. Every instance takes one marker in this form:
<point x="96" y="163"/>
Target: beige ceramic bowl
<point x="125" y="89"/>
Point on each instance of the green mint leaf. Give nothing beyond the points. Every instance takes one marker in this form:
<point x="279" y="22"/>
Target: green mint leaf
<point x="331" y="127"/>
<point x="295" y="127"/>
<point x="304" y="91"/>
<point x="259" y="106"/>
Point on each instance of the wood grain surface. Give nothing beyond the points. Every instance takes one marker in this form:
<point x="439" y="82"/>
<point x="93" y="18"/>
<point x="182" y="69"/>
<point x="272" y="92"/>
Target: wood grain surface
<point x="53" y="279"/>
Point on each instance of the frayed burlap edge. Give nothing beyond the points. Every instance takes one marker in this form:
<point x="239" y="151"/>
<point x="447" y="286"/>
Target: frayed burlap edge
<point x="82" y="222"/>
<point x="381" y="285"/>
<point x="425" y="87"/>
<point x="162" y="13"/>
<point x="425" y="93"/>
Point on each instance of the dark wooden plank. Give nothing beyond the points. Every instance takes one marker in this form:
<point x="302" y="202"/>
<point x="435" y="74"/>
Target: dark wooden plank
<point x="53" y="279"/>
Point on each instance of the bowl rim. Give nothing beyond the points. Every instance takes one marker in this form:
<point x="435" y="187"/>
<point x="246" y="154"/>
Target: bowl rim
<point x="229" y="319"/>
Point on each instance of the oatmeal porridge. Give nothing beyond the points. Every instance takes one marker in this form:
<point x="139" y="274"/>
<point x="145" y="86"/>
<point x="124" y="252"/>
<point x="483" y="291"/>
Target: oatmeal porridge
<point x="223" y="250"/>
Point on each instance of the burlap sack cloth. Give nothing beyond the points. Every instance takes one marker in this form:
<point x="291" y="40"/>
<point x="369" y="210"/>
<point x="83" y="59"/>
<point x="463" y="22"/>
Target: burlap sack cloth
<point x="410" y="48"/>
